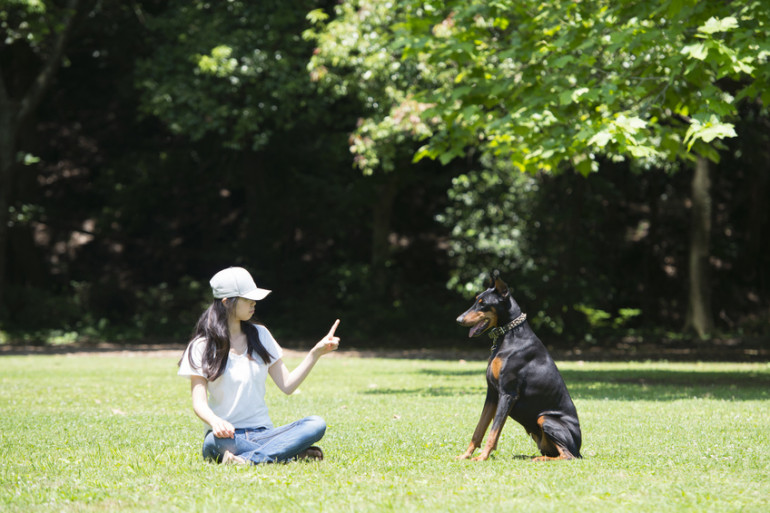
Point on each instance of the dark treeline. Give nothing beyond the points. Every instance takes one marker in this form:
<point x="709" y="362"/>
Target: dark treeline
<point x="117" y="220"/>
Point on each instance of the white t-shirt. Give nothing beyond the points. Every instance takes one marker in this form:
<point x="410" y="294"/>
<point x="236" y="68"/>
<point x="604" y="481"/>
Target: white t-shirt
<point x="238" y="395"/>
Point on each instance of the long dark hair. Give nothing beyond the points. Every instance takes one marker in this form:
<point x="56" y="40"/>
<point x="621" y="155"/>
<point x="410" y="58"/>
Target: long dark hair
<point x="213" y="327"/>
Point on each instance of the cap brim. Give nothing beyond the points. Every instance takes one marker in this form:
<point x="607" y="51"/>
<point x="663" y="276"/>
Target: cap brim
<point x="257" y="294"/>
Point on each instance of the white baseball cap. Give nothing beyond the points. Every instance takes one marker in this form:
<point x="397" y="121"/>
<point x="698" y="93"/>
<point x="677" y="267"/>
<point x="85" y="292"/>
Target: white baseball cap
<point x="236" y="282"/>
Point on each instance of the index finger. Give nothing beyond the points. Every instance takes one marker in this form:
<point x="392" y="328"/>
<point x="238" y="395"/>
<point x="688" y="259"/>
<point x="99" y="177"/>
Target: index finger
<point x="334" y="328"/>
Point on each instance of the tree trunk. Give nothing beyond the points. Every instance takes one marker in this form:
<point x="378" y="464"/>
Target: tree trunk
<point x="14" y="114"/>
<point x="382" y="214"/>
<point x="756" y="239"/>
<point x="699" y="317"/>
<point x="7" y="136"/>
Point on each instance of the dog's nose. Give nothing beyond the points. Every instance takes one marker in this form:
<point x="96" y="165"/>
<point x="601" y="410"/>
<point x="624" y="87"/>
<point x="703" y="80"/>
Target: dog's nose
<point x="460" y="319"/>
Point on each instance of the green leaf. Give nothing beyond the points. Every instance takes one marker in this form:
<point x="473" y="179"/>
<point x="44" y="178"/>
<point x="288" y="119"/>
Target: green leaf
<point x="630" y="125"/>
<point x="501" y="23"/>
<point x="714" y="25"/>
<point x="712" y="129"/>
<point x="317" y="16"/>
<point x="600" y="139"/>
<point x="563" y="61"/>
<point x="568" y="96"/>
<point x="27" y="158"/>
<point x="640" y="151"/>
<point x="696" y="51"/>
<point x="424" y="152"/>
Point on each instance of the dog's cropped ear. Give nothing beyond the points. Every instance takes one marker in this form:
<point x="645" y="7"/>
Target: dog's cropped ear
<point x="490" y="281"/>
<point x="500" y="285"/>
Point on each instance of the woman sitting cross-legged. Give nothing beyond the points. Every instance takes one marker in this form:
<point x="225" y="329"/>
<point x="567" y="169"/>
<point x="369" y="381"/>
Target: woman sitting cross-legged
<point x="228" y="361"/>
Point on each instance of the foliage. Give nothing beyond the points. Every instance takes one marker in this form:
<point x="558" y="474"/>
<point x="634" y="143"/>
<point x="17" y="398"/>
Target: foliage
<point x="234" y="70"/>
<point x="353" y="59"/>
<point x="546" y="87"/>
<point x="141" y="176"/>
<point x="540" y="229"/>
<point x="551" y="84"/>
<point x="491" y="213"/>
<point x="29" y="22"/>
<point x="115" y="431"/>
<point x="94" y="311"/>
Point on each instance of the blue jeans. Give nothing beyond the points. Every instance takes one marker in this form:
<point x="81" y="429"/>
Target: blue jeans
<point x="265" y="445"/>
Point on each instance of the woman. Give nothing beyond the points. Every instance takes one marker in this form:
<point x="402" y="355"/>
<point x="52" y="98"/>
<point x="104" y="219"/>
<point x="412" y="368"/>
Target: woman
<point x="228" y="361"/>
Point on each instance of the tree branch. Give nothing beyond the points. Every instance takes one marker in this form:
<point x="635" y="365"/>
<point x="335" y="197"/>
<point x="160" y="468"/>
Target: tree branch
<point x="44" y="79"/>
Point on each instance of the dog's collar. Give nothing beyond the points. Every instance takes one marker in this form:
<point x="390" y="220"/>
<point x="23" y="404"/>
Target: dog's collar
<point x="498" y="332"/>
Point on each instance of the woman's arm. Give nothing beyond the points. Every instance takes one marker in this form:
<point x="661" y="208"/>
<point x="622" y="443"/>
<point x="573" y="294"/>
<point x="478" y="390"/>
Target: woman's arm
<point x="199" y="387"/>
<point x="287" y="381"/>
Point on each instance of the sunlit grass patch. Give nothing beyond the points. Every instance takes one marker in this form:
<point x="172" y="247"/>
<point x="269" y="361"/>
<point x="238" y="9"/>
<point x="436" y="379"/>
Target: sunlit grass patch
<point x="111" y="433"/>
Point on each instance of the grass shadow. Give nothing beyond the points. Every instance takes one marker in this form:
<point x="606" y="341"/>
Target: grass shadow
<point x="440" y="391"/>
<point x="451" y="372"/>
<point x="667" y="385"/>
<point x="623" y="385"/>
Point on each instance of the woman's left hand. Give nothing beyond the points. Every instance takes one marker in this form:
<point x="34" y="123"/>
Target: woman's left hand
<point x="329" y="343"/>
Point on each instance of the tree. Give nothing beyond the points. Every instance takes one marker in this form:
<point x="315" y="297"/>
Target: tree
<point x="556" y="86"/>
<point x="234" y="71"/>
<point x="353" y="59"/>
<point x="235" y="75"/>
<point x="33" y="32"/>
<point x="231" y="77"/>
<point x="699" y="315"/>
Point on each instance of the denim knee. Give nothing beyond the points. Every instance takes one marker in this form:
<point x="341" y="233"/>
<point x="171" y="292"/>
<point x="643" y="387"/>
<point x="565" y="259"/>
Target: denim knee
<point x="213" y="447"/>
<point x="317" y="424"/>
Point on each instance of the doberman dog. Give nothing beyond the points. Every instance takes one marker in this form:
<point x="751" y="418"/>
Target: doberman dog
<point x="522" y="380"/>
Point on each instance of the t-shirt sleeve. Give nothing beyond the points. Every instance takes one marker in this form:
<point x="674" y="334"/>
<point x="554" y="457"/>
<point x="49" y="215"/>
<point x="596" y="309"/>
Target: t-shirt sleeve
<point x="270" y="344"/>
<point x="187" y="369"/>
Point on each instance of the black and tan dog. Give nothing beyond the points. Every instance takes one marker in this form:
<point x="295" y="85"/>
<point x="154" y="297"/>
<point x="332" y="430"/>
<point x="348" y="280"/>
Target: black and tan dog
<point x="522" y="380"/>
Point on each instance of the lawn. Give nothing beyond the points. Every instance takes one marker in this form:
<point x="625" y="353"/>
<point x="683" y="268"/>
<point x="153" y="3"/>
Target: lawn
<point x="117" y="433"/>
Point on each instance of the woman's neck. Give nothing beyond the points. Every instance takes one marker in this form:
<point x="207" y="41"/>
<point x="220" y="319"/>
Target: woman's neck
<point x="235" y="328"/>
<point x="238" y="343"/>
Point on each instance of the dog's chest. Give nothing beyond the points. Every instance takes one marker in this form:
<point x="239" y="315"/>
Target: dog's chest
<point x="508" y="364"/>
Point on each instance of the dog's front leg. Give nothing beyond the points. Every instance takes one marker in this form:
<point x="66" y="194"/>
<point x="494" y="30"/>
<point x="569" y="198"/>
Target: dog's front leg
<point x="504" y="405"/>
<point x="490" y="406"/>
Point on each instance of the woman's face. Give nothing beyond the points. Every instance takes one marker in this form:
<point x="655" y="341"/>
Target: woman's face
<point x="244" y="309"/>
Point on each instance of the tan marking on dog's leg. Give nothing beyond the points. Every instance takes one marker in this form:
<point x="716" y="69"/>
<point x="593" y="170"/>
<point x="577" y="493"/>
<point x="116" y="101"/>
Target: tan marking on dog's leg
<point x="491" y="445"/>
<point x="495" y="366"/>
<point x="504" y="405"/>
<point x="478" y="434"/>
<point x="545" y="444"/>
<point x="564" y="454"/>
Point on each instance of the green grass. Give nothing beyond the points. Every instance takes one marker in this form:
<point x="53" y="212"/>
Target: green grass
<point x="117" y="433"/>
